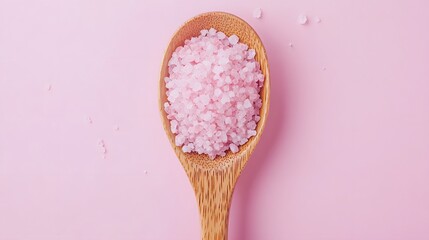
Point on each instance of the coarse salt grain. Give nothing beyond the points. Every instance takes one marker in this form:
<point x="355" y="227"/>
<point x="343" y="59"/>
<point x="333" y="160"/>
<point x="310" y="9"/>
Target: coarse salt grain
<point x="257" y="13"/>
<point x="233" y="39"/>
<point x="102" y="148"/>
<point x="233" y="148"/>
<point x="213" y="94"/>
<point x="317" y="19"/>
<point x="302" y="19"/>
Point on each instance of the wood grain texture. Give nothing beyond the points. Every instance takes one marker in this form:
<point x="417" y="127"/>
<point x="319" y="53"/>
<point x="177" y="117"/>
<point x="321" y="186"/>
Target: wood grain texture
<point x="214" y="180"/>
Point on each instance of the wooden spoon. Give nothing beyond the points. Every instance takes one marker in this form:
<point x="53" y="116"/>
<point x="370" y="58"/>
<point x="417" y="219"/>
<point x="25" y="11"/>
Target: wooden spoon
<point x="214" y="180"/>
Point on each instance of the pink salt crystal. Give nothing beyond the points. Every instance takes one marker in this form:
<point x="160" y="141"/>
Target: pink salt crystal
<point x="205" y="99"/>
<point x="251" y="125"/>
<point x="223" y="61"/>
<point x="228" y="79"/>
<point x="317" y="19"/>
<point x="173" y="126"/>
<point x="212" y="32"/>
<point x="302" y="19"/>
<point x="221" y="35"/>
<point x="225" y="99"/>
<point x="217" y="92"/>
<point x="247" y="104"/>
<point x="218" y="69"/>
<point x="49" y="87"/>
<point x="213" y="94"/>
<point x="204" y="32"/>
<point x="257" y="13"/>
<point x="251" y="54"/>
<point x="227" y="120"/>
<point x="233" y="39"/>
<point x="102" y="148"/>
<point x="89" y="119"/>
<point x="196" y="86"/>
<point x="251" y="132"/>
<point x="179" y="140"/>
<point x="233" y="148"/>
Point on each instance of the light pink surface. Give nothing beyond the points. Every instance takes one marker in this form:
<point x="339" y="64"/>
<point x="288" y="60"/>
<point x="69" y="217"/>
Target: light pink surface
<point x="345" y="154"/>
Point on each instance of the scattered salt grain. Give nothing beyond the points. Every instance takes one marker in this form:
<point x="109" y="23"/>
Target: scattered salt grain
<point x="290" y="44"/>
<point x="213" y="103"/>
<point x="48" y="87"/>
<point x="302" y="19"/>
<point x="257" y="13"/>
<point x="89" y="119"/>
<point x="317" y="19"/>
<point x="116" y="127"/>
<point x="102" y="148"/>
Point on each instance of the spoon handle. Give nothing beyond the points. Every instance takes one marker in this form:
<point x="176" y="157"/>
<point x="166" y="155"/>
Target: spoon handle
<point x="213" y="190"/>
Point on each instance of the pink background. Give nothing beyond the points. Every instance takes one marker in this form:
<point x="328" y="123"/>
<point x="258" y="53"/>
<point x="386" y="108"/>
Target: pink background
<point x="345" y="154"/>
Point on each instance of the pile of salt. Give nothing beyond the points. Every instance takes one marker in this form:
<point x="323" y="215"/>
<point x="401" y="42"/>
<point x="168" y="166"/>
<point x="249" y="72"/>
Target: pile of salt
<point x="213" y="94"/>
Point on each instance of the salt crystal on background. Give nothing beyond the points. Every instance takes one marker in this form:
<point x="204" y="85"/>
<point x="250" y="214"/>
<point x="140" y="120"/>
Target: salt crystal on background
<point x="257" y="13"/>
<point x="317" y="19"/>
<point x="213" y="94"/>
<point x="102" y="147"/>
<point x="302" y="19"/>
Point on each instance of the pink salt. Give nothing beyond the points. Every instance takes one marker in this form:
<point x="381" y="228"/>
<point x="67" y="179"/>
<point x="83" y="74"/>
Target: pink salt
<point x="102" y="148"/>
<point x="302" y="19"/>
<point x="257" y="13"/>
<point x="213" y="94"/>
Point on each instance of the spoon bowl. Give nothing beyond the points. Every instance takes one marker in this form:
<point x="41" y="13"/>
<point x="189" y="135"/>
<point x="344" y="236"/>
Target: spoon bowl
<point x="214" y="180"/>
